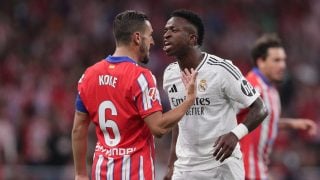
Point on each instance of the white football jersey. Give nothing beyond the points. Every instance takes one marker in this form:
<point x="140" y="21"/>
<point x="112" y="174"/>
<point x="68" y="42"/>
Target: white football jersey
<point x="221" y="90"/>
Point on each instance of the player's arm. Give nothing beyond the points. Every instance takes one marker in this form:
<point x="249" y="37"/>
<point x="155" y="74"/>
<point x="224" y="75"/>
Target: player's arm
<point x="298" y="124"/>
<point x="172" y="155"/>
<point x="257" y="113"/>
<point x="79" y="144"/>
<point x="226" y="143"/>
<point x="161" y="123"/>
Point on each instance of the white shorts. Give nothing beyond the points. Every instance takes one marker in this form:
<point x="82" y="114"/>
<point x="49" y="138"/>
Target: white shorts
<point x="233" y="169"/>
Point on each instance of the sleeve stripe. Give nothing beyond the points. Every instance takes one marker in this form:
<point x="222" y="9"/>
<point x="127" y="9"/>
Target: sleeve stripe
<point x="143" y="83"/>
<point x="226" y="63"/>
<point x="230" y="70"/>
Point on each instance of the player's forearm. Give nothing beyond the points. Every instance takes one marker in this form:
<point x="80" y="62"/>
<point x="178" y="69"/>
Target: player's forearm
<point x="161" y="123"/>
<point x="172" y="155"/>
<point x="79" y="148"/>
<point x="172" y="117"/>
<point x="257" y="113"/>
<point x="285" y="123"/>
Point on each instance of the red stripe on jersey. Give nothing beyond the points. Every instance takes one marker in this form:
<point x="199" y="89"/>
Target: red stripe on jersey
<point x="93" y="167"/>
<point x="139" y="166"/>
<point x="99" y="168"/>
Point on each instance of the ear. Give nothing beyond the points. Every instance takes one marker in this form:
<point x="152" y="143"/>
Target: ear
<point x="136" y="38"/>
<point x="193" y="39"/>
<point x="260" y="62"/>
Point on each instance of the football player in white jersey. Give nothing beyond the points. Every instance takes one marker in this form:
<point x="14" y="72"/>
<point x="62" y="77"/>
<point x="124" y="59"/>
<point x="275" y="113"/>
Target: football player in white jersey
<point x="205" y="144"/>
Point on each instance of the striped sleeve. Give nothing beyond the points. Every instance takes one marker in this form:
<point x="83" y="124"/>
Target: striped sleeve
<point x="147" y="96"/>
<point x="235" y="86"/>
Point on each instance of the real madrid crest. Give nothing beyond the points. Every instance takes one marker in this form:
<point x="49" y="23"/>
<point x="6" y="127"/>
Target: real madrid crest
<point x="202" y="85"/>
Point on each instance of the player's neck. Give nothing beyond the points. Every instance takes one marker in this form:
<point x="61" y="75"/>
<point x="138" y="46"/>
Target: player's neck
<point x="191" y="59"/>
<point x="126" y="51"/>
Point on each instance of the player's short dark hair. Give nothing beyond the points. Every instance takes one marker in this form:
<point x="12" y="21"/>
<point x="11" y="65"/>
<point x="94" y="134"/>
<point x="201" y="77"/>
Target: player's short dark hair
<point x="194" y="19"/>
<point x="261" y="46"/>
<point x="126" y="23"/>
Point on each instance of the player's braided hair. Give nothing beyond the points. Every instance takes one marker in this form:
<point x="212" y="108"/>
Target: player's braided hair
<point x="194" y="19"/>
<point x="261" y="46"/>
<point x="126" y="23"/>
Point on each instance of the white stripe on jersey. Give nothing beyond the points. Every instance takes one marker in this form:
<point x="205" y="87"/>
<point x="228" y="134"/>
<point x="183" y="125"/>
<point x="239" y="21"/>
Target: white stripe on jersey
<point x="276" y="114"/>
<point x="126" y="167"/>
<point x="252" y="172"/>
<point x="152" y="167"/>
<point x="143" y="83"/>
<point x="110" y="169"/>
<point x="98" y="167"/>
<point x="141" y="174"/>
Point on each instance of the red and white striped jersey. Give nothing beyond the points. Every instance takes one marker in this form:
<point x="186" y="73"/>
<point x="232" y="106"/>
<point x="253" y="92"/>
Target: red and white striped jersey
<point x="117" y="94"/>
<point x="257" y="145"/>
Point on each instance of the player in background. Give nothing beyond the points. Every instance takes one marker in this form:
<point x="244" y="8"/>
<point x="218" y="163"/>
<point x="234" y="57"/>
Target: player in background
<point x="205" y="144"/>
<point x="269" y="59"/>
<point x="122" y="100"/>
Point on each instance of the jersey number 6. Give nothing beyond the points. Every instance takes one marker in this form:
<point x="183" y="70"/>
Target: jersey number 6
<point x="109" y="123"/>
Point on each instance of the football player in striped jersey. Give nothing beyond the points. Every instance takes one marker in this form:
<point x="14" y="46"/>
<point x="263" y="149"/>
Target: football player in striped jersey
<point x="121" y="99"/>
<point x="205" y="143"/>
<point x="270" y="63"/>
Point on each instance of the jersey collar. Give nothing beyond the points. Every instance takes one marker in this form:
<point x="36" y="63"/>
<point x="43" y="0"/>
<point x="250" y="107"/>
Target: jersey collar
<point x="204" y="59"/>
<point x="119" y="59"/>
<point x="264" y="78"/>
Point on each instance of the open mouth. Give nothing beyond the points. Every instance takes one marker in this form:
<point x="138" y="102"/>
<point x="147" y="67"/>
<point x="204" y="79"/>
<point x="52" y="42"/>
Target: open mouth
<point x="166" y="46"/>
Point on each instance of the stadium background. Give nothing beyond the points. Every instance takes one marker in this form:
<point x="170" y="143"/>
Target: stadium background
<point x="46" y="44"/>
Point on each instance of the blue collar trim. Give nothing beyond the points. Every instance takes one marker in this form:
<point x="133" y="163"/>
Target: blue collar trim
<point x="119" y="59"/>
<point x="259" y="73"/>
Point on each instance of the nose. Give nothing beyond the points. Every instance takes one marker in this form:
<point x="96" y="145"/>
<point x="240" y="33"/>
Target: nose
<point x="283" y="65"/>
<point x="166" y="34"/>
<point x="152" y="43"/>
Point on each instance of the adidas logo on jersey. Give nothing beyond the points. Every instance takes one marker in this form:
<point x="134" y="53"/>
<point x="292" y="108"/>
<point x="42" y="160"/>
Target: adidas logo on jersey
<point x="173" y="89"/>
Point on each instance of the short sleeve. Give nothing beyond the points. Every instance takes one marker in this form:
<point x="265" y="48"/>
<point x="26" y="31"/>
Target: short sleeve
<point x="236" y="87"/>
<point x="146" y="94"/>
<point x="79" y="105"/>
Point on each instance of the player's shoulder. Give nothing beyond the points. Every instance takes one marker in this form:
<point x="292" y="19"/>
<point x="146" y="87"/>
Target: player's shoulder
<point x="255" y="79"/>
<point x="216" y="60"/>
<point x="91" y="70"/>
<point x="223" y="66"/>
<point x="142" y="70"/>
<point x="171" y="69"/>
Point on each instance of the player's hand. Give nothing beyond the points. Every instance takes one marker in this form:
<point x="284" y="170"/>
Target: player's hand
<point x="224" y="146"/>
<point x="305" y="125"/>
<point x="81" y="177"/>
<point x="169" y="174"/>
<point x="189" y="81"/>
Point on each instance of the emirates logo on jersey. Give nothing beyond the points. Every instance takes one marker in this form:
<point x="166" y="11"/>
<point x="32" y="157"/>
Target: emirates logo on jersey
<point x="202" y="85"/>
<point x="153" y="94"/>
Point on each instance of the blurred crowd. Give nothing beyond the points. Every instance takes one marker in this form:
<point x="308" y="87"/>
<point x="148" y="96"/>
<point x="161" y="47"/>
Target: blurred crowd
<point x="45" y="45"/>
